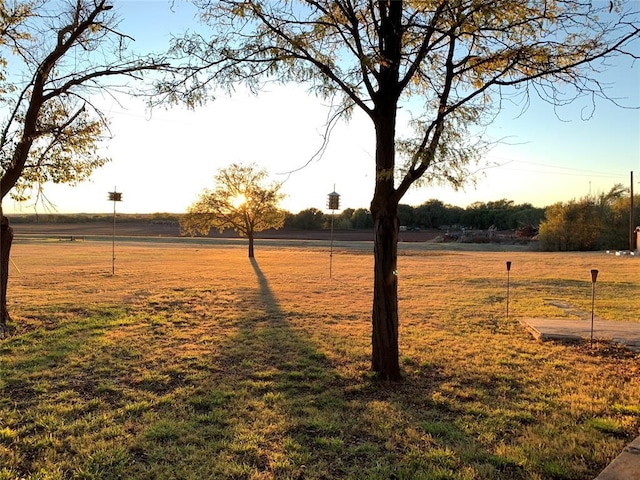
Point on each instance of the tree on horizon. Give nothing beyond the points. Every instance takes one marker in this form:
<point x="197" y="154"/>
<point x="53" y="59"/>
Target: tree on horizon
<point x="241" y="201"/>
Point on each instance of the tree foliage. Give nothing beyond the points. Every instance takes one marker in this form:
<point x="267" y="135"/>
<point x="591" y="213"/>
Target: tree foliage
<point x="502" y="215"/>
<point x="590" y="223"/>
<point x="574" y="225"/>
<point x="307" y="219"/>
<point x="361" y="218"/>
<point x="241" y="200"/>
<point x="451" y="63"/>
<point x="60" y="54"/>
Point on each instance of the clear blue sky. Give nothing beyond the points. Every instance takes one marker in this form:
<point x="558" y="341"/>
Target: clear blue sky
<point x="162" y="161"/>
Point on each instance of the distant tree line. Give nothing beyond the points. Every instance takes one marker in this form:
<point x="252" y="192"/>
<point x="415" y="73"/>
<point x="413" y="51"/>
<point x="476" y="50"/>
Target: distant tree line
<point x="501" y="214"/>
<point x="159" y="217"/>
<point x="315" y="219"/>
<point x="597" y="222"/>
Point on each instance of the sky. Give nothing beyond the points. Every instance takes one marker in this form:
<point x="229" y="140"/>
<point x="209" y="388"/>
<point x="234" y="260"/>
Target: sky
<point x="162" y="160"/>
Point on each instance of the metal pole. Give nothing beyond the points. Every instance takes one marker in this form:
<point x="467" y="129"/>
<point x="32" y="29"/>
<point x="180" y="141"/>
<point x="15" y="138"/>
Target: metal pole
<point x="594" y="276"/>
<point x="508" y="270"/>
<point x="115" y="197"/>
<point x="113" y="238"/>
<point x="331" y="246"/>
<point x="631" y="245"/>
<point x="333" y="204"/>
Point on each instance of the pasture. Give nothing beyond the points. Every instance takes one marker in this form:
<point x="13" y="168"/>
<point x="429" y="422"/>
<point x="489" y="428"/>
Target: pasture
<point x="194" y="362"/>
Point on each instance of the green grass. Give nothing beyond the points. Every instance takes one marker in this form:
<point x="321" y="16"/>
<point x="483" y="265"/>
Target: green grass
<point x="208" y="366"/>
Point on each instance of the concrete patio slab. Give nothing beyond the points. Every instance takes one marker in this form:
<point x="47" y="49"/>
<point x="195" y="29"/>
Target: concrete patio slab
<point x="562" y="329"/>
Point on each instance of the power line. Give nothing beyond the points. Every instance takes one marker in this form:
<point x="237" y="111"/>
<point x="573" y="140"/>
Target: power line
<point x="560" y="170"/>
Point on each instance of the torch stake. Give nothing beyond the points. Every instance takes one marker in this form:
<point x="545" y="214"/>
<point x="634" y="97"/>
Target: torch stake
<point x="508" y="281"/>
<point x="594" y="276"/>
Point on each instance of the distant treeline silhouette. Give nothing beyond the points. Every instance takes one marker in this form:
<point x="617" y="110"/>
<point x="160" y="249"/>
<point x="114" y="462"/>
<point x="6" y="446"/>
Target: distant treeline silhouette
<point x="93" y="217"/>
<point x="590" y="223"/>
<point x="501" y="214"/>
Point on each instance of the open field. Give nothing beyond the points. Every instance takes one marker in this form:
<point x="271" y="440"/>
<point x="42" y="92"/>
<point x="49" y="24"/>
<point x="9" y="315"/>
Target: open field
<point x="194" y="362"/>
<point x="168" y="230"/>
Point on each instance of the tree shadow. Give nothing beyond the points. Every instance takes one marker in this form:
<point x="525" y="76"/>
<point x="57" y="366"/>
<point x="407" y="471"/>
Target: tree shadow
<point x="296" y="416"/>
<point x="266" y="293"/>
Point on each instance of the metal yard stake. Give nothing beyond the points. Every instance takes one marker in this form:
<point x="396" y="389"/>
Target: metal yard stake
<point x="508" y="270"/>
<point x="594" y="276"/>
<point x="114" y="197"/>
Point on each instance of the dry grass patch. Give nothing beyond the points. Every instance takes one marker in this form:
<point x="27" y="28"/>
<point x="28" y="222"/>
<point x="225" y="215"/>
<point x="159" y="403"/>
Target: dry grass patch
<point x="194" y="362"/>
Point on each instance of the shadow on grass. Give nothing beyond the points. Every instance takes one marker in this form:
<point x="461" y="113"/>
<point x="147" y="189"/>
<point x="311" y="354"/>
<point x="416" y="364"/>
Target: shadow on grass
<point x="286" y="412"/>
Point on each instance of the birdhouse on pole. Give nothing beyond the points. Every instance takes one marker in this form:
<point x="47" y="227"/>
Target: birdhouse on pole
<point x="333" y="202"/>
<point x="114" y="197"/>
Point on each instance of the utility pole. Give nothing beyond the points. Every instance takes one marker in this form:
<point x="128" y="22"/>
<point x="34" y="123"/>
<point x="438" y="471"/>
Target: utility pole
<point x="631" y="229"/>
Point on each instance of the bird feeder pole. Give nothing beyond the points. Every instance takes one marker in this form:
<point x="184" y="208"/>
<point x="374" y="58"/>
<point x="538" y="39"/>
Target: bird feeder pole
<point x="333" y="203"/>
<point x="114" y="196"/>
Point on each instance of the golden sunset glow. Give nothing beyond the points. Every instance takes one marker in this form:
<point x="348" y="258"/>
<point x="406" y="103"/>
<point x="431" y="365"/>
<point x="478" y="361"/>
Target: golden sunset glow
<point x="238" y="200"/>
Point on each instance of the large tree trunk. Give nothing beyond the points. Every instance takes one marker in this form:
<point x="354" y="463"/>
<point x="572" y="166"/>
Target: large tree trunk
<point x="384" y="210"/>
<point x="384" y="359"/>
<point x="6" y="238"/>
<point x="384" y="206"/>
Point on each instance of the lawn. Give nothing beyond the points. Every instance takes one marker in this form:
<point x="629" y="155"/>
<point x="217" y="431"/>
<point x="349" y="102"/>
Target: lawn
<point x="194" y="362"/>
